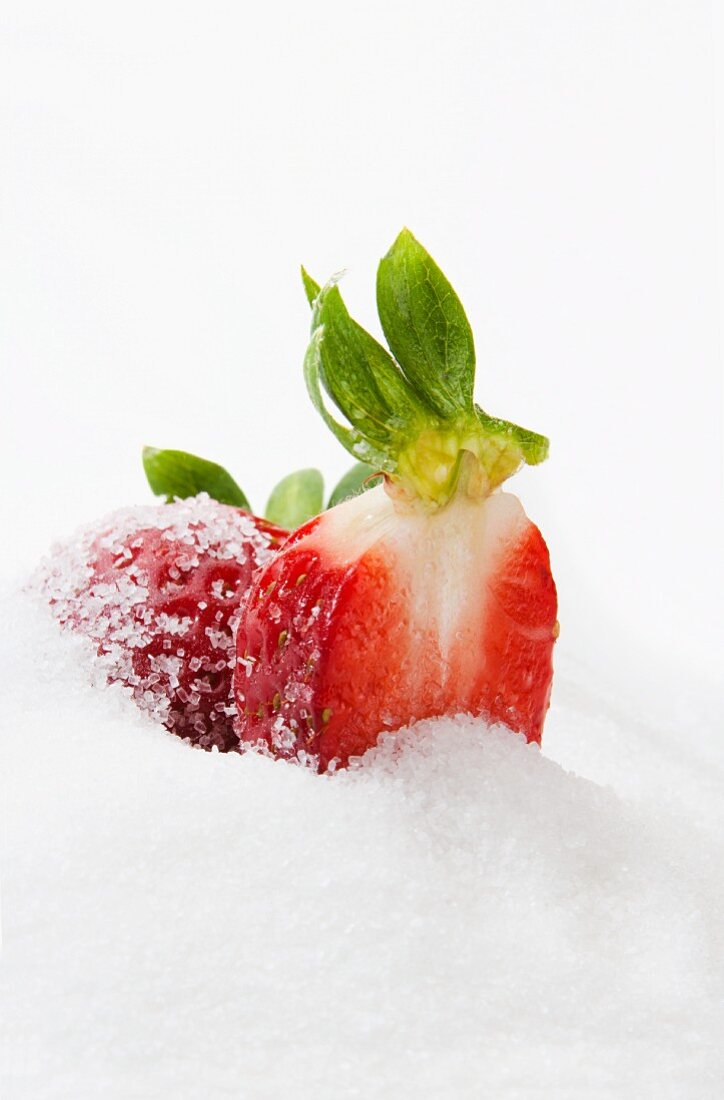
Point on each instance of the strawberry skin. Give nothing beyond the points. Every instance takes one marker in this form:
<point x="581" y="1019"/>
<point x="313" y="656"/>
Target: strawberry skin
<point x="372" y="617"/>
<point x="158" y="589"/>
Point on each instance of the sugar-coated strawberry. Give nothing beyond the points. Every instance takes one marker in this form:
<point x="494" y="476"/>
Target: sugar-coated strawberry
<point x="429" y="595"/>
<point x="157" y="589"/>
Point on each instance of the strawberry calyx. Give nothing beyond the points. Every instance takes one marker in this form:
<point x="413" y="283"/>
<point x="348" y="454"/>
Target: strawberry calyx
<point x="411" y="414"/>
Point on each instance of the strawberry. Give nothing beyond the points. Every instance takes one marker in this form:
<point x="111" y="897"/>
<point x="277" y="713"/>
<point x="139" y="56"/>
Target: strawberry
<point x="431" y="594"/>
<point x="158" y="589"/>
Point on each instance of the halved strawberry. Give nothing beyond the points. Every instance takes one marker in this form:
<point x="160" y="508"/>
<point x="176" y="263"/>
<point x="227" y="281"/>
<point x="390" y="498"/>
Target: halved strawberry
<point x="369" y="619"/>
<point x="429" y="595"/>
<point x="158" y="589"/>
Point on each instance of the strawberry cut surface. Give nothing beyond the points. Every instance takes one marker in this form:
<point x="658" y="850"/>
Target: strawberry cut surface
<point x="369" y="620"/>
<point x="158" y="589"/>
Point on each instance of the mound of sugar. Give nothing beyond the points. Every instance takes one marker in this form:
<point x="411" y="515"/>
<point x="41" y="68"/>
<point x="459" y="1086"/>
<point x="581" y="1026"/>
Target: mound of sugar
<point x="458" y="917"/>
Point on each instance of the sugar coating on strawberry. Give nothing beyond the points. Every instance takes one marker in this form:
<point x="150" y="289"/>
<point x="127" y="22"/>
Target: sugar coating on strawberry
<point x="371" y="618"/>
<point x="158" y="589"/>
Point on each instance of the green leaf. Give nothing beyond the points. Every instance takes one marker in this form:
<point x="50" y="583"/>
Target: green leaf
<point x="361" y="377"/>
<point x="345" y="371"/>
<point x="356" y="481"/>
<point x="426" y="327"/>
<point x="311" y="289"/>
<point x="533" y="447"/>
<point x="347" y="340"/>
<point x="178" y="474"/>
<point x="296" y="498"/>
<point x="351" y="439"/>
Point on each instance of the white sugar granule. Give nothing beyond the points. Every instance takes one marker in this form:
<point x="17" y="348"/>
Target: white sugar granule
<point x="461" y="917"/>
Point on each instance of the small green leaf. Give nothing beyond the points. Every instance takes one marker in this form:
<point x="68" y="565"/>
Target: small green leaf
<point x="352" y="362"/>
<point x="345" y="370"/>
<point x="311" y="289"/>
<point x="296" y="498"/>
<point x="533" y="447"/>
<point x="178" y="474"/>
<point x="356" y="481"/>
<point x="346" y="344"/>
<point x="426" y="327"/>
<point x="351" y="439"/>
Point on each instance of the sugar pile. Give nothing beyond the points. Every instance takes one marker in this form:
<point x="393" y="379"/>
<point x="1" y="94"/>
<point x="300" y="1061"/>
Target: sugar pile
<point x="462" y="917"/>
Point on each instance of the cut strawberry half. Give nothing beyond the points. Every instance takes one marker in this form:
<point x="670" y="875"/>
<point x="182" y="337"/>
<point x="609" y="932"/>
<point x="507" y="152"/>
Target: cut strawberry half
<point x="429" y="595"/>
<point x="158" y="590"/>
<point x="369" y="620"/>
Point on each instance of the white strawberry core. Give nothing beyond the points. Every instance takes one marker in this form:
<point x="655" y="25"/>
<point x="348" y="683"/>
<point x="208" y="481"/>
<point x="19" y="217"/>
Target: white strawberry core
<point x="442" y="560"/>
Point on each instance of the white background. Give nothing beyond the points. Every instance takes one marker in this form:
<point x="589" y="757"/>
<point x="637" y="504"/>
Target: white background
<point x="166" y="168"/>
